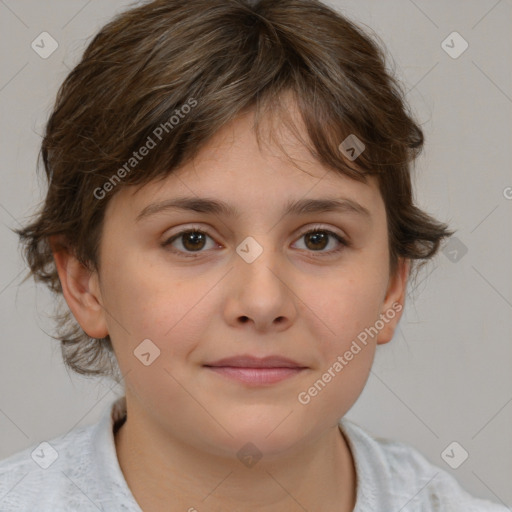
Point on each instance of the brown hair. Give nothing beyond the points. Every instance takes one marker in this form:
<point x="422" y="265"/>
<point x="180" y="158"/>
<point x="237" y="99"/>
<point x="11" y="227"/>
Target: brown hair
<point x="221" y="58"/>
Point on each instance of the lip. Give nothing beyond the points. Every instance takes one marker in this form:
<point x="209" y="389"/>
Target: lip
<point x="256" y="376"/>
<point x="255" y="370"/>
<point x="248" y="361"/>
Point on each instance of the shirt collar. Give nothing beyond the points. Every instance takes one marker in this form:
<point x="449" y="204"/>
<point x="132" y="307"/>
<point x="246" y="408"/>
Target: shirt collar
<point x="114" y="484"/>
<point x="114" y="491"/>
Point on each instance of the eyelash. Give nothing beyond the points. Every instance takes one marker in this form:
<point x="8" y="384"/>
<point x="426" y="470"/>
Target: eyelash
<point x="317" y="229"/>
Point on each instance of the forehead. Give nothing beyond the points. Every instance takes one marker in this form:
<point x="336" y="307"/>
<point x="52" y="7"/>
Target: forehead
<point x="237" y="170"/>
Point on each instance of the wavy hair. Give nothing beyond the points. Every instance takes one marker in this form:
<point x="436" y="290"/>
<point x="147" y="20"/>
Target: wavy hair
<point x="230" y="56"/>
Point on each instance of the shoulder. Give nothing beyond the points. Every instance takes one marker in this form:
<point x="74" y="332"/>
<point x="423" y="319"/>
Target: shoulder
<point x="395" y="473"/>
<point x="46" y="475"/>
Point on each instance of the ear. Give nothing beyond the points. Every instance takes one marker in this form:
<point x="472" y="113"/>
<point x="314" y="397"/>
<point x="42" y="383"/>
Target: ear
<point x="81" y="290"/>
<point x="394" y="302"/>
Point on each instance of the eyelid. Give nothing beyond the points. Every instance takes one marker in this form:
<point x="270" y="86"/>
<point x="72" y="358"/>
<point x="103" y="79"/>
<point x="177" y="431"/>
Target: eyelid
<point x="323" y="227"/>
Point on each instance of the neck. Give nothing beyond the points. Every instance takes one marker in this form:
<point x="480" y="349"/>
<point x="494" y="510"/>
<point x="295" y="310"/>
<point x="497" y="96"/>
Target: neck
<point x="166" y="474"/>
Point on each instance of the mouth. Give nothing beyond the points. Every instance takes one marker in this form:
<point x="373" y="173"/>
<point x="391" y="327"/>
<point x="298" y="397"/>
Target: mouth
<point x="256" y="371"/>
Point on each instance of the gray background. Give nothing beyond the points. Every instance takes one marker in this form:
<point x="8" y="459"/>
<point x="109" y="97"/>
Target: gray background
<point x="446" y="375"/>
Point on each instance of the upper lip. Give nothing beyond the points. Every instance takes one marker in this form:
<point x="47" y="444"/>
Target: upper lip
<point x="248" y="361"/>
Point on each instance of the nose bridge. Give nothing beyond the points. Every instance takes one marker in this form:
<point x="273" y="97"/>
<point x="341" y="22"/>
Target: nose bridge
<point x="258" y="256"/>
<point x="261" y="287"/>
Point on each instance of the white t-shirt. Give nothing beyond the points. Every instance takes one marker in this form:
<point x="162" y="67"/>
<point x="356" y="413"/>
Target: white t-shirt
<point x="79" y="471"/>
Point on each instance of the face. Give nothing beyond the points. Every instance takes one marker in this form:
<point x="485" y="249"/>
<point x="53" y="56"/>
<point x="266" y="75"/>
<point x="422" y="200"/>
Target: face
<point x="251" y="282"/>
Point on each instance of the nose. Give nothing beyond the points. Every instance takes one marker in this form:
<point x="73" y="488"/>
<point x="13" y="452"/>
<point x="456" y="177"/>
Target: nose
<point x="261" y="284"/>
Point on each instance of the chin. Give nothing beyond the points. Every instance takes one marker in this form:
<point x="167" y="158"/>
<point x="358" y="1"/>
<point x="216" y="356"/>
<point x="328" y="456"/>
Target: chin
<point x="271" y="435"/>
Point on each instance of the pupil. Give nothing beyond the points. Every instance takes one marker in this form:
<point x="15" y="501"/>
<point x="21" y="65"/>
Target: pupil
<point x="194" y="238"/>
<point x="317" y="238"/>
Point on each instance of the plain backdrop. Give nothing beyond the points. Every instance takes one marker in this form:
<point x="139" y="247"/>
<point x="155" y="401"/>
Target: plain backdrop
<point x="446" y="375"/>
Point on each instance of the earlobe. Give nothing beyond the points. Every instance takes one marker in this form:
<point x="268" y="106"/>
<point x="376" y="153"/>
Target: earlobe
<point x="81" y="290"/>
<point x="394" y="302"/>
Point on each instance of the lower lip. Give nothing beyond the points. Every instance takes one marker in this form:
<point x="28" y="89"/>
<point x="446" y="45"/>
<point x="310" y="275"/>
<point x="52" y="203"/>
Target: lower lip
<point x="256" y="375"/>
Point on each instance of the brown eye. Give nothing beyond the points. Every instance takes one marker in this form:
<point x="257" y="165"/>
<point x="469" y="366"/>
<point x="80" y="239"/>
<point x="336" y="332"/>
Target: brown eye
<point x="316" y="240"/>
<point x="195" y="240"/>
<point x="192" y="240"/>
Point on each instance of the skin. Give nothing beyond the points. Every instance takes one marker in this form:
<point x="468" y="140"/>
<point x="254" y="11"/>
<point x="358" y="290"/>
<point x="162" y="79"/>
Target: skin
<point x="185" y="425"/>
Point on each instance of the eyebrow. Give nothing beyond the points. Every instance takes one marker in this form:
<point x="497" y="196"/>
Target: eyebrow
<point x="216" y="207"/>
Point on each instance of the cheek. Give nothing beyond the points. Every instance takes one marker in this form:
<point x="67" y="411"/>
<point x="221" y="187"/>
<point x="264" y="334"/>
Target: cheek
<point x="345" y="309"/>
<point x="345" y="304"/>
<point x="145" y="302"/>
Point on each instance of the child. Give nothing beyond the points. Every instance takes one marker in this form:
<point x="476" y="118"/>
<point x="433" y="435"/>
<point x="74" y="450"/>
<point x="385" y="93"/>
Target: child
<point x="273" y="133"/>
